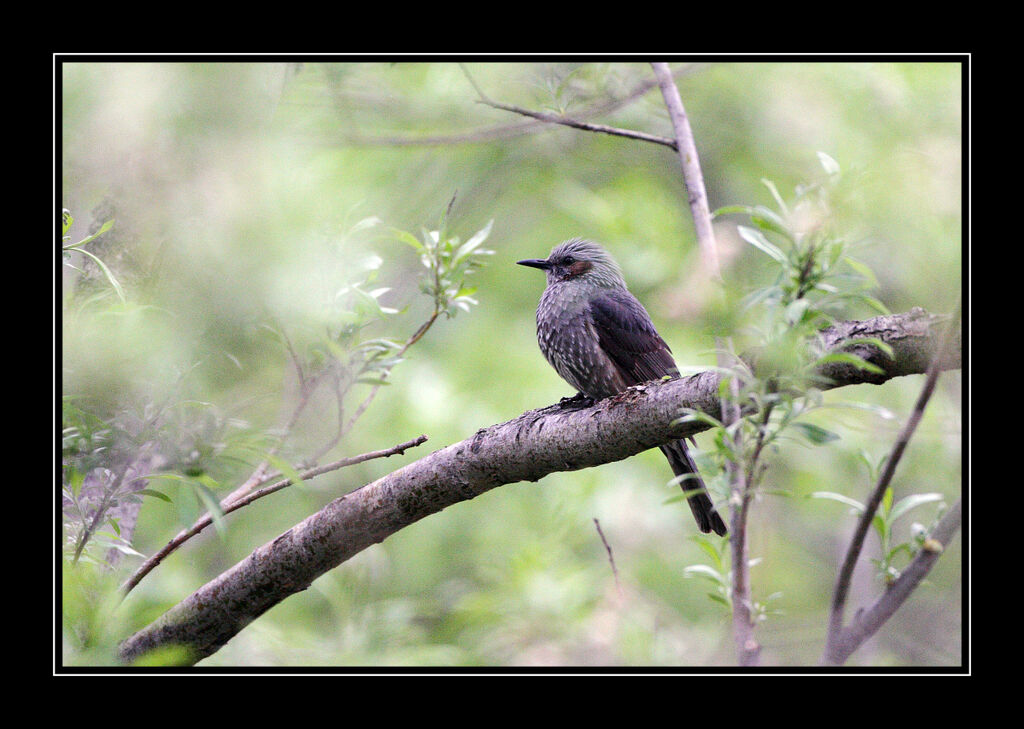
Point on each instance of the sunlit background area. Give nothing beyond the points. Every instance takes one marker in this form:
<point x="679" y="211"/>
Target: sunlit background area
<point x="262" y="216"/>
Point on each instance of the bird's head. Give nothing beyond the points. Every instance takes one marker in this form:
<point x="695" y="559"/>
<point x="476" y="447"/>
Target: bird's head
<point x="579" y="261"/>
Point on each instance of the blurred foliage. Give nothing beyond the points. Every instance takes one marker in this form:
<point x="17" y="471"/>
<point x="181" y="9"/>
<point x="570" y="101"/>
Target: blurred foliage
<point x="259" y="207"/>
<point x="777" y="386"/>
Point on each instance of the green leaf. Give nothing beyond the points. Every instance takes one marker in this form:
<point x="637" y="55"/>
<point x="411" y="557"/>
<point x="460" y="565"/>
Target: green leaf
<point x="775" y="194"/>
<point x="473" y="243"/>
<point x="709" y="549"/>
<point x="407" y="238"/>
<point x="852" y="359"/>
<point x="863" y="270"/>
<point x="154" y="493"/>
<point x="875" y="304"/>
<point x="284" y="467"/>
<point x="168" y="476"/>
<point x="756" y="238"/>
<point x="766" y="219"/>
<point x="698" y="416"/>
<point x="103" y="229"/>
<point x="828" y="164"/>
<point x="911" y="502"/>
<point x="886" y="348"/>
<point x="815" y="433"/>
<point x="364" y="224"/>
<point x="880" y="525"/>
<point x="107" y="273"/>
<point x="904" y="547"/>
<point x="878" y="410"/>
<point x="718" y="598"/>
<point x="887" y="500"/>
<point x="703" y="570"/>
<point x="832" y="496"/>
<point x="212" y="504"/>
<point x="120" y="546"/>
<point x="730" y="209"/>
<point x="796" y="309"/>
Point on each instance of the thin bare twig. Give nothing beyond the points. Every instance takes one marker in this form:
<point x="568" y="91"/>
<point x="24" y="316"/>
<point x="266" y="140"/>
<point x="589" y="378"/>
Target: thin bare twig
<point x="417" y="335"/>
<point x="837" y="637"/>
<point x="566" y="121"/>
<point x="146" y="567"/>
<point x="611" y="557"/>
<point x="262" y="473"/>
<point x="501" y="131"/>
<point x="339" y="396"/>
<point x="101" y="510"/>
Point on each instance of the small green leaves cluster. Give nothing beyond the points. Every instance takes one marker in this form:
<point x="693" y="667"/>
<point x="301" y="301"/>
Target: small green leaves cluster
<point x="66" y="249"/>
<point x="96" y="457"/>
<point x="357" y="304"/>
<point x="891" y="552"/>
<point x="817" y="278"/>
<point x="718" y="574"/>
<point x="86" y="447"/>
<point x="815" y="282"/>
<point x="195" y="447"/>
<point x="448" y="261"/>
<point x="352" y="306"/>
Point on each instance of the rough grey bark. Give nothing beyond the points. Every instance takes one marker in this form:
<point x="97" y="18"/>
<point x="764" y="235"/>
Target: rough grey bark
<point x="561" y="437"/>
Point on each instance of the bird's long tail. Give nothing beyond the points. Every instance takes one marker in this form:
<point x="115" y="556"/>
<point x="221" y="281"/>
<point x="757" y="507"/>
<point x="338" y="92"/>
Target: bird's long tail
<point x="697" y="496"/>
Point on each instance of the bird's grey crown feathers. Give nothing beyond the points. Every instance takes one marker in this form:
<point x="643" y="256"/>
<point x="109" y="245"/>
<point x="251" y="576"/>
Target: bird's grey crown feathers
<point x="603" y="269"/>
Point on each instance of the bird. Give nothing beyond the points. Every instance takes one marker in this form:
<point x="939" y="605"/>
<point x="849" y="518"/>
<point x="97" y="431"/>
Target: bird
<point x="600" y="339"/>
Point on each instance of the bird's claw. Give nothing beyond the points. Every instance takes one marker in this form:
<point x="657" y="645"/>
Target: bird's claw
<point x="579" y="400"/>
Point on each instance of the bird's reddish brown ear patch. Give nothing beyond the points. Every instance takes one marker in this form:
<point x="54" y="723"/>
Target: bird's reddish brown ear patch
<point x="580" y="267"/>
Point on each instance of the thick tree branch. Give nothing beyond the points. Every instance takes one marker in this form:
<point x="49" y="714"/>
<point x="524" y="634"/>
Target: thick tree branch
<point x="539" y="442"/>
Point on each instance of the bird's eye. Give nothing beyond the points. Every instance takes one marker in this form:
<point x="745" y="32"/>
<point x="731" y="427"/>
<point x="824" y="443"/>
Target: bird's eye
<point x="568" y="260"/>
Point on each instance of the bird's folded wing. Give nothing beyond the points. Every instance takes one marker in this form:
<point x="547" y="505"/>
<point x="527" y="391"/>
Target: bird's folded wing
<point x="628" y="337"/>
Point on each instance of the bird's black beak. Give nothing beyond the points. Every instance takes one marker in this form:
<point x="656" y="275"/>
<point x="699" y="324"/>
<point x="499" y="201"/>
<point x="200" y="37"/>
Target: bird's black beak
<point x="535" y="263"/>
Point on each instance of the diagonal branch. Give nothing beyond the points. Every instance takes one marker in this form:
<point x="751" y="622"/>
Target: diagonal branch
<point x="254" y="486"/>
<point x="868" y="622"/>
<point x="537" y="443"/>
<point x="567" y="121"/>
<point x="837" y="641"/>
<point x="207" y="519"/>
<point x="504" y="131"/>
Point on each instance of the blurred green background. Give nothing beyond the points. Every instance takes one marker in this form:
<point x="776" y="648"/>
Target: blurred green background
<point x="235" y="187"/>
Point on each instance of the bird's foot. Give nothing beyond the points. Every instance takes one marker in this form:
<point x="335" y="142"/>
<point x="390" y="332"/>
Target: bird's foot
<point x="577" y="401"/>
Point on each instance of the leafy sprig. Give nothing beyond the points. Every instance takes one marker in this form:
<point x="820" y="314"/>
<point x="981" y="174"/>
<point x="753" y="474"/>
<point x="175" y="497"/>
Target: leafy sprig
<point x="66" y="249"/>
<point x="815" y="280"/>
